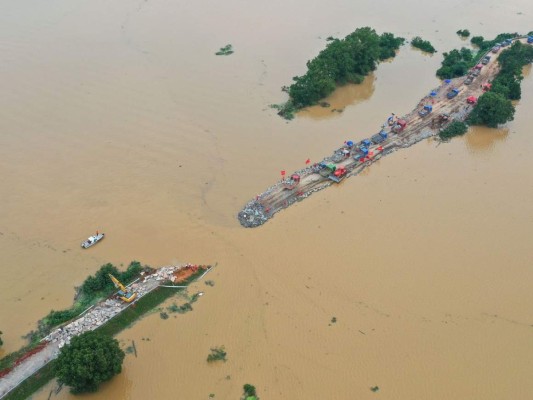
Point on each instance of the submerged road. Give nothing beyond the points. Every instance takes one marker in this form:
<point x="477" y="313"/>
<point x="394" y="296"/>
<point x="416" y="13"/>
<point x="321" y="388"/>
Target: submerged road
<point x="278" y="197"/>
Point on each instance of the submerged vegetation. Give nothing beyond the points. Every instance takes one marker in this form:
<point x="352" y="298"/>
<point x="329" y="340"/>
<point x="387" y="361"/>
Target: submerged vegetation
<point x="343" y="61"/>
<point x="225" y="51"/>
<point x="423" y="45"/>
<point x="456" y="128"/>
<point x="463" y="32"/>
<point x="217" y="354"/>
<point x="249" y="392"/>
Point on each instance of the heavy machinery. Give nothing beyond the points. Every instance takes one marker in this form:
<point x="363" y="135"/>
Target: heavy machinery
<point x="425" y="111"/>
<point x="292" y="182"/>
<point x="379" y="137"/>
<point x="123" y="293"/>
<point x="452" y="93"/>
<point x="338" y="175"/>
<point x="326" y="169"/>
<point x="399" y="126"/>
<point x="471" y="100"/>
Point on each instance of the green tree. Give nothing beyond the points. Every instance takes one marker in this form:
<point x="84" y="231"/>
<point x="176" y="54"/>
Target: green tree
<point x="249" y="392"/>
<point x="491" y="110"/>
<point x="343" y="61"/>
<point x="1" y="342"/>
<point x="89" y="359"/>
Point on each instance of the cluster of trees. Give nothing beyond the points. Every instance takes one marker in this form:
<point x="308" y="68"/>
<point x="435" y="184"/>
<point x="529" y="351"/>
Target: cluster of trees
<point x="423" y="45"/>
<point x="100" y="282"/>
<point x="343" y="61"/>
<point x="463" y="32"/>
<point x="90" y="359"/>
<point x="485" y="45"/>
<point x="249" y="392"/>
<point x="456" y="63"/>
<point x="495" y="107"/>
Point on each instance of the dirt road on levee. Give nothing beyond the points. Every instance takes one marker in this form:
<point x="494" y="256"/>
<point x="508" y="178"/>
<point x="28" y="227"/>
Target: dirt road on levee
<point x="350" y="160"/>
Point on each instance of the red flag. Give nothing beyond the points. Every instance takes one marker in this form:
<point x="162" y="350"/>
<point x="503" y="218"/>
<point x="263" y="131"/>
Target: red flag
<point x="307" y="161"/>
<point x="283" y="173"/>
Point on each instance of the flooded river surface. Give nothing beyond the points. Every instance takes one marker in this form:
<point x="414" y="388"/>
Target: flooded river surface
<point x="118" y="117"/>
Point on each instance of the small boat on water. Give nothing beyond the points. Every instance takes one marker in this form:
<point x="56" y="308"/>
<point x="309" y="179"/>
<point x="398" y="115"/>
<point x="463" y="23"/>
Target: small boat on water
<point x="92" y="240"/>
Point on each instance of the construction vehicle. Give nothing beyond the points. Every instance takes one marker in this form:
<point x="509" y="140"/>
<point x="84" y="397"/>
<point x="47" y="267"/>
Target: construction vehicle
<point x="292" y="182"/>
<point x="326" y="169"/>
<point x="379" y="137"/>
<point x="123" y="293"/>
<point x="486" y="87"/>
<point x="338" y="175"/>
<point x="425" y="111"/>
<point x="471" y="100"/>
<point x="452" y="93"/>
<point x="441" y="120"/>
<point x="399" y="126"/>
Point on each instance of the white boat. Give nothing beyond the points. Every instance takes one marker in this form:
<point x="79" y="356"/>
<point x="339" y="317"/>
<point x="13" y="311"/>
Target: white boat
<point x="92" y="240"/>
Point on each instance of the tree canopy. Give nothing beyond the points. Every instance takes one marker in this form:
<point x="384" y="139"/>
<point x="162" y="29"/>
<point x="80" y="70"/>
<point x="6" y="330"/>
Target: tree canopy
<point x="491" y="110"/>
<point x="511" y="61"/>
<point x="90" y="359"/>
<point x="423" y="45"/>
<point x="456" y="63"/>
<point x="342" y="61"/>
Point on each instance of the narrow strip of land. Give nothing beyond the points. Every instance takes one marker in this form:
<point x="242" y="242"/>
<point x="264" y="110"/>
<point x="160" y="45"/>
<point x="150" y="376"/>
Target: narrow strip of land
<point x="285" y="193"/>
<point x="92" y="319"/>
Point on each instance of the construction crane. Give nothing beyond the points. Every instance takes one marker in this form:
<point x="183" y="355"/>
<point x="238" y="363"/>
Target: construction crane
<point x="123" y="293"/>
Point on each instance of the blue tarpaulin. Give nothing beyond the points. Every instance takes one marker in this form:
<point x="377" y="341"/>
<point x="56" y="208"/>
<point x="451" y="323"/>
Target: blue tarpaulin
<point x="447" y="81"/>
<point x="433" y="93"/>
<point x="349" y="143"/>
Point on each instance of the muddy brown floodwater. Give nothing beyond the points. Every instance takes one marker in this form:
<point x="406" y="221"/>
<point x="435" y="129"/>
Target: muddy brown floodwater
<point x="118" y="116"/>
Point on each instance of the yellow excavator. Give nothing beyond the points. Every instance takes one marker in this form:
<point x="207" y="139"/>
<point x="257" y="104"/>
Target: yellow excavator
<point x="123" y="293"/>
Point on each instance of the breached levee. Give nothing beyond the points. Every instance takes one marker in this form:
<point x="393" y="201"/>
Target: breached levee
<point x="359" y="156"/>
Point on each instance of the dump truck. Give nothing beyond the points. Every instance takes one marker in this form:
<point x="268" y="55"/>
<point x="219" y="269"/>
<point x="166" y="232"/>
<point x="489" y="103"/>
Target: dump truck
<point x="292" y="182"/>
<point x="379" y="137"/>
<point x="326" y="169"/>
<point x="338" y="175"/>
<point x="452" y="93"/>
<point x="424" y="112"/>
<point x="399" y="126"/>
